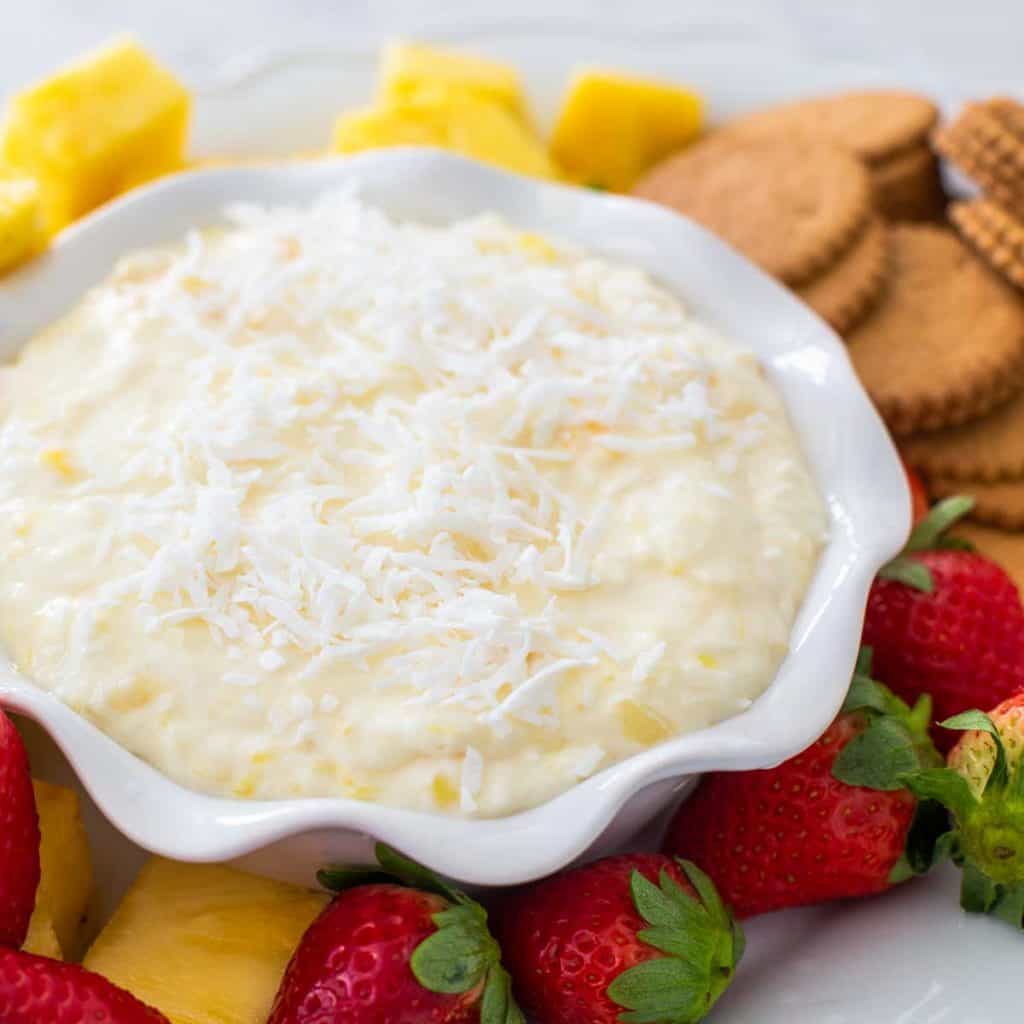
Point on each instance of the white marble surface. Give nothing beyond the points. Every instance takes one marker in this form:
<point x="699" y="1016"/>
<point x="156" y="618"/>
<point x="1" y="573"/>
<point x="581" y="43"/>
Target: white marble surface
<point x="962" y="47"/>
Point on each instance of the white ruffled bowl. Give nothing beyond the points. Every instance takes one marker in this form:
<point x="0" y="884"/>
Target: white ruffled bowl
<point x="854" y="462"/>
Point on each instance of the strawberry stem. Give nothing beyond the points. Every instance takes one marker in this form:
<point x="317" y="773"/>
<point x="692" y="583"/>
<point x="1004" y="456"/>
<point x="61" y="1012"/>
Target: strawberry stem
<point x="927" y="535"/>
<point x="909" y="572"/>
<point x="895" y="741"/>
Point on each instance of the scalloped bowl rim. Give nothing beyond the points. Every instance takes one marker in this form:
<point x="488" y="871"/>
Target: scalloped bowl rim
<point x="854" y="462"/>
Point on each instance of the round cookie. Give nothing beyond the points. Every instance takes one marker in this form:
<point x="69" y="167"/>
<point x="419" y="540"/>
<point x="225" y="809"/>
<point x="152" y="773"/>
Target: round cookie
<point x="846" y="292"/>
<point x="997" y="504"/>
<point x="908" y="186"/>
<point x="985" y="450"/>
<point x="791" y="206"/>
<point x="874" y="124"/>
<point x="986" y="143"/>
<point x="886" y="129"/>
<point x="946" y="343"/>
<point x="995" y="233"/>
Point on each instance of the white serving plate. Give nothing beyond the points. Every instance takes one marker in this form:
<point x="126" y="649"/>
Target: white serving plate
<point x="908" y="958"/>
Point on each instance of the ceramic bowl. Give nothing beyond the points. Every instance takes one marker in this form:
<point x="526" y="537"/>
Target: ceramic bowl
<point x="852" y="457"/>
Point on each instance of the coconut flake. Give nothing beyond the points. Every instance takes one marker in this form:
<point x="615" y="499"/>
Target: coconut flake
<point x="369" y="465"/>
<point x="472" y="779"/>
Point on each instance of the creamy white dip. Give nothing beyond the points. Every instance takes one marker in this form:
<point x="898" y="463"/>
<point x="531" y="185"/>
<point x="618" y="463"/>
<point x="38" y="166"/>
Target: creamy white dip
<point x="329" y="504"/>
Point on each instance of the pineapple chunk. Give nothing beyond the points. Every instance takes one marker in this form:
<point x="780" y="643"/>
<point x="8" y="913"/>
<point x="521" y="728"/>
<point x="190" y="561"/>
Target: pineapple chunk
<point x="642" y="724"/>
<point x="21" y="231"/>
<point x="42" y="939"/>
<point x="114" y="120"/>
<point x="65" y="888"/>
<point x="413" y="71"/>
<point x="473" y="127"/>
<point x="613" y="127"/>
<point x="205" y="944"/>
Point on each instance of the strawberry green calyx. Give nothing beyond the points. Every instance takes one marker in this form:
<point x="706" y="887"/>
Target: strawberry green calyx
<point x="987" y="802"/>
<point x="461" y="955"/>
<point x="983" y="791"/>
<point x="928" y="535"/>
<point x="894" y="743"/>
<point x="895" y="739"/>
<point x="702" y="946"/>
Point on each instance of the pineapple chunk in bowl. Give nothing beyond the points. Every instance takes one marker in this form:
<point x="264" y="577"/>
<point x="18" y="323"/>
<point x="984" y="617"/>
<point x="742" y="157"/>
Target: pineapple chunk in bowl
<point x="853" y="461"/>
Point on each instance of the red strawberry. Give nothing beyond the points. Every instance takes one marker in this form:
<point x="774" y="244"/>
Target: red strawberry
<point x="811" y="830"/>
<point x="947" y="622"/>
<point x="382" y="953"/>
<point x="983" y="787"/>
<point x="35" y="990"/>
<point x="19" y="838"/>
<point x="641" y="933"/>
<point x="918" y="493"/>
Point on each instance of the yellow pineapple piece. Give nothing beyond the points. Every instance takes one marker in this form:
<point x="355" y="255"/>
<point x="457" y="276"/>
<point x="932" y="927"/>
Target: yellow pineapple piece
<point x="641" y="724"/>
<point x="414" y="71"/>
<point x="57" y="460"/>
<point x="203" y="943"/>
<point x="464" y="124"/>
<point x="538" y="247"/>
<point x="444" y="792"/>
<point x="613" y="127"/>
<point x="21" y="225"/>
<point x="42" y="939"/>
<point x="101" y="126"/>
<point x="65" y="888"/>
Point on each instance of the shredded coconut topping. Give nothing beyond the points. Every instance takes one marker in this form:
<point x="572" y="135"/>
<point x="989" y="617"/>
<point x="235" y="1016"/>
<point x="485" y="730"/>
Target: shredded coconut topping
<point x="456" y="371"/>
<point x="372" y="464"/>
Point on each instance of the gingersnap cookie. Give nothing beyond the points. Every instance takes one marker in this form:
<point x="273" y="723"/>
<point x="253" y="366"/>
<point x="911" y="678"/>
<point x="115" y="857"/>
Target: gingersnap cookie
<point x="996" y="504"/>
<point x="1005" y="549"/>
<point x="986" y="141"/>
<point x="847" y="291"/>
<point x="876" y="125"/>
<point x="946" y="343"/>
<point x="995" y="233"/>
<point x="791" y="206"/>
<point x="886" y="129"/>
<point x="987" y="450"/>
<point x="907" y="186"/>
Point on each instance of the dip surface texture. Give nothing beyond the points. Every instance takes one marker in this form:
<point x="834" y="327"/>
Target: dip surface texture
<point x="322" y="503"/>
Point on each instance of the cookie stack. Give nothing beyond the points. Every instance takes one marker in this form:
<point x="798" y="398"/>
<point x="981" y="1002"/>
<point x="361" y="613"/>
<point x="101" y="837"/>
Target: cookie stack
<point x="945" y="345"/>
<point x="982" y="455"/>
<point x="801" y="208"/>
<point x="984" y="459"/>
<point x="807" y="190"/>
<point x="986" y="142"/>
<point x="887" y="130"/>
